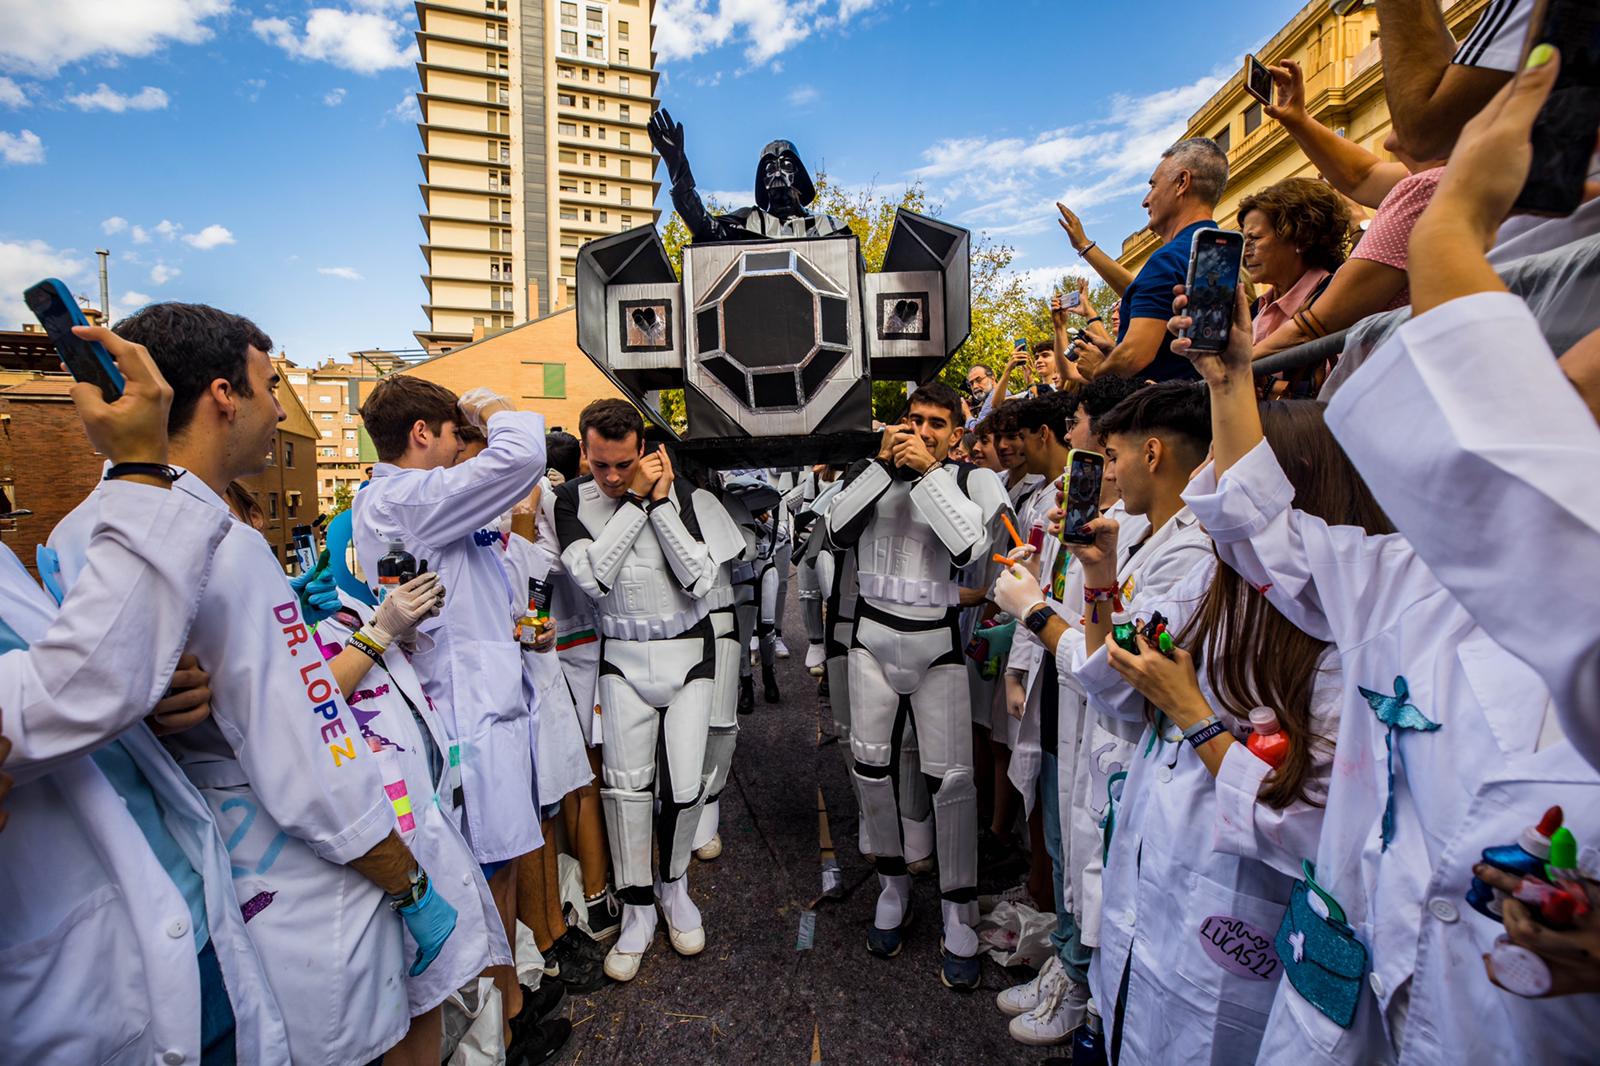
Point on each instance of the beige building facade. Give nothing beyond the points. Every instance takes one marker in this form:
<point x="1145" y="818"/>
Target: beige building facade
<point x="1342" y="57"/>
<point x="533" y="142"/>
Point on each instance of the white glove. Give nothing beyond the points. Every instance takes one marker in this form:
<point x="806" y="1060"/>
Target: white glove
<point x="398" y="616"/>
<point x="1016" y="592"/>
<point x="556" y="477"/>
<point x="478" y="404"/>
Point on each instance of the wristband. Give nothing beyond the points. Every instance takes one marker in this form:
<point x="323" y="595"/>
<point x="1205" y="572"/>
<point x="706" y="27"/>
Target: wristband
<point x="368" y="644"/>
<point x="1092" y="321"/>
<point x="651" y="505"/>
<point x="414" y="893"/>
<point x="1096" y="596"/>
<point x="166" y="473"/>
<point x="634" y="498"/>
<point x="1204" y="731"/>
<point x="1088" y="248"/>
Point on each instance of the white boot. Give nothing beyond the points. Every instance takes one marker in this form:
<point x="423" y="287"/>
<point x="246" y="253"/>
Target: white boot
<point x="815" y="658"/>
<point x="1061" y="1010"/>
<point x="638" y="929"/>
<point x="780" y="647"/>
<point x="1020" y="999"/>
<point x="707" y="842"/>
<point x="684" y="926"/>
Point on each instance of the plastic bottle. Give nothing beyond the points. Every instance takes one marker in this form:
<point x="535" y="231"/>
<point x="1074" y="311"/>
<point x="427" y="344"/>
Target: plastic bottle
<point x="305" y="547"/>
<point x="1525" y="858"/>
<point x="536" y="618"/>
<point x="395" y="568"/>
<point x="1267" y="743"/>
<point x="1088" y="1041"/>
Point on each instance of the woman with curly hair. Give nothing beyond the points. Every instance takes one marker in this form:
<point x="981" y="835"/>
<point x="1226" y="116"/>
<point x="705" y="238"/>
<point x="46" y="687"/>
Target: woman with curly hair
<point x="1296" y="234"/>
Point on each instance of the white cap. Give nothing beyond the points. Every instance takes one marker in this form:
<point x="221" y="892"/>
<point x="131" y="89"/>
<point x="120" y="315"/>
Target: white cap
<point x="1263" y="720"/>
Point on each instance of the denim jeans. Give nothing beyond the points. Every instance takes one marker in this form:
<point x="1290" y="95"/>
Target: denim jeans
<point x="216" y="1013"/>
<point x="1065" y="939"/>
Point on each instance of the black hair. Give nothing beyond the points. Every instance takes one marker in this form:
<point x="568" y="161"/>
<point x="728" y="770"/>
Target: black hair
<point x="937" y="394"/>
<point x="561" y="453"/>
<point x="1177" y="411"/>
<point x="612" y="420"/>
<point x="1054" y="409"/>
<point x="194" y="345"/>
<point x="1105" y="392"/>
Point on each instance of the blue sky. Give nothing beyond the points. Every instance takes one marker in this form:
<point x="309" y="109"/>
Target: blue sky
<point x="262" y="156"/>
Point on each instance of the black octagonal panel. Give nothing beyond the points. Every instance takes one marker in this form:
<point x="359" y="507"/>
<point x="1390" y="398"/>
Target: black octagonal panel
<point x="770" y="322"/>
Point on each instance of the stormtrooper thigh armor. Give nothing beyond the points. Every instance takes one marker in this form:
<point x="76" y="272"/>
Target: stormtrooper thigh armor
<point x="909" y="671"/>
<point x="657" y="697"/>
<point x="724" y="719"/>
<point x="809" y="575"/>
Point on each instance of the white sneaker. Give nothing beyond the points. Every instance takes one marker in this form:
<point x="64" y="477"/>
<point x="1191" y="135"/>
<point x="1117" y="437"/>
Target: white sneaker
<point x="816" y="658"/>
<point x="622" y="965"/>
<point x="1020" y="999"/>
<point x="711" y="849"/>
<point x="755" y="643"/>
<point x="674" y="898"/>
<point x="1061" y="1009"/>
<point x="781" y="648"/>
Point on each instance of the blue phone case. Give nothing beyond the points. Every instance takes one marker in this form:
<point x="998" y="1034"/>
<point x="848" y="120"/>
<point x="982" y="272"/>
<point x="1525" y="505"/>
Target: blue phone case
<point x="107" y="365"/>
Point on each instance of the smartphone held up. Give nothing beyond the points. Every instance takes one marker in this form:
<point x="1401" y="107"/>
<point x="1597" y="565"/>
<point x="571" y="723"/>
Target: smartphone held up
<point x="1564" y="132"/>
<point x="1081" y="498"/>
<point x="1257" y="79"/>
<point x="1215" y="258"/>
<point x="58" y="312"/>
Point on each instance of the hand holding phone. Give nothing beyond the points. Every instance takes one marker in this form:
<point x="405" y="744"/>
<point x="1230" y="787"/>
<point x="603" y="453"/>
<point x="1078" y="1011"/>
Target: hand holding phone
<point x="1564" y="132"/>
<point x="1257" y="79"/>
<point x="86" y="360"/>
<point x="1215" y="257"/>
<point x="1081" y="498"/>
<point x="133" y="429"/>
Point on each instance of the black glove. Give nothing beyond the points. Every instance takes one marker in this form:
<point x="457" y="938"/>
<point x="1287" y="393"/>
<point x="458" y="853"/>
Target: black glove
<point x="667" y="137"/>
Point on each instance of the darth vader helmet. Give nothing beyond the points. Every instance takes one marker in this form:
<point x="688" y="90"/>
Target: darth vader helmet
<point x="805" y="191"/>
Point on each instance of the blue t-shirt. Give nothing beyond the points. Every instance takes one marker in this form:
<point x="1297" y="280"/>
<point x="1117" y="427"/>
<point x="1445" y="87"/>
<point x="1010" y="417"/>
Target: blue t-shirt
<point x="1150" y="296"/>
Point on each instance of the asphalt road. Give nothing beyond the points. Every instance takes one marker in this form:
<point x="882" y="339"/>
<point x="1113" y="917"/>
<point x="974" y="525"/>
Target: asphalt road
<point x="752" y="996"/>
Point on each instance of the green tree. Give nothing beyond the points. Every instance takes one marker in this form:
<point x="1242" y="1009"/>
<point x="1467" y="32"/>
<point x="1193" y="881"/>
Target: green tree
<point x="342" y="497"/>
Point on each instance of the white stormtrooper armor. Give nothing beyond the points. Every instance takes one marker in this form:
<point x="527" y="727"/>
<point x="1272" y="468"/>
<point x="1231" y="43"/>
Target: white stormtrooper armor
<point x="756" y="583"/>
<point x="910" y="538"/>
<point x="724" y="541"/>
<point x="646" y="565"/>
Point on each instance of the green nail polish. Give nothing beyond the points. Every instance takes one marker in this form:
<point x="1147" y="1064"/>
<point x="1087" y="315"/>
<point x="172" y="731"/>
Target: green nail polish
<point x="1540" y="55"/>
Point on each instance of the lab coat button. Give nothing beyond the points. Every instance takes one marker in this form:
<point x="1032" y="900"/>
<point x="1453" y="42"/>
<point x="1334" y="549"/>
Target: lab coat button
<point x="1128" y="916"/>
<point x="172" y="1058"/>
<point x="1164" y="774"/>
<point x="1443" y="909"/>
<point x="1377" y="984"/>
<point x="175" y="930"/>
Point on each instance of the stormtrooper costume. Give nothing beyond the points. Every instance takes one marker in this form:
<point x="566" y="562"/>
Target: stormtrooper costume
<point x="810" y="572"/>
<point x="724" y="541"/>
<point x="644" y="562"/>
<point x="910" y="536"/>
<point x="757" y="583"/>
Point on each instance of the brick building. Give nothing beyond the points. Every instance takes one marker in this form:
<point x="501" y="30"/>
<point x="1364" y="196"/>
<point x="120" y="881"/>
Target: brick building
<point x="331" y="394"/>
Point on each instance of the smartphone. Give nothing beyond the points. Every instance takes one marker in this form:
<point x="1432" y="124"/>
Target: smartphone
<point x="1071" y="300"/>
<point x="1020" y="344"/>
<point x="1257" y="79"/>
<point x="87" y="361"/>
<point x="1082" y="498"/>
<point x="1563" y="134"/>
<point x="1212" y="284"/>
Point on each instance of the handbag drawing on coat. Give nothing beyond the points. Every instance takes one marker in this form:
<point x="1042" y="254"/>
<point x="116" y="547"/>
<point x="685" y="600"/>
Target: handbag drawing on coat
<point x="1321" y="956"/>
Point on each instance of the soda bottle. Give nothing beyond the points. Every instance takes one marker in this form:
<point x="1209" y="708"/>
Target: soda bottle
<point x="1267" y="742"/>
<point x="395" y="568"/>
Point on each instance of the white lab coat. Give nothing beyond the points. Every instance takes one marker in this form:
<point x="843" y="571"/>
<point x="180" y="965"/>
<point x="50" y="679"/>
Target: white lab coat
<point x="296" y="795"/>
<point x="97" y="955"/>
<point x="404" y="732"/>
<point x="1027" y="652"/>
<point x="561" y="762"/>
<point x="473" y="667"/>
<point x="577" y="627"/>
<point x="1177" y="826"/>
<point x="1508" y="478"/>
<point x="1146" y="577"/>
<point x="1486" y="774"/>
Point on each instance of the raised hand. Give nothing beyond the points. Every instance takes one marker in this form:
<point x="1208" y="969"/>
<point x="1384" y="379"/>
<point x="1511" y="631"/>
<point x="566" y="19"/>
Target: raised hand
<point x="667" y="137"/>
<point x="133" y="429"/>
<point x="1074" y="227"/>
<point x="1290" y="85"/>
<point x="1217" y="368"/>
<point x="663" y="483"/>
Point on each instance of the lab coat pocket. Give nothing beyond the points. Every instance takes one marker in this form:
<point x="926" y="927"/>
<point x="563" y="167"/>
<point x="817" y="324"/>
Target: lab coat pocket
<point x="1228" y="954"/>
<point x="1511" y="695"/>
<point x="93" y="948"/>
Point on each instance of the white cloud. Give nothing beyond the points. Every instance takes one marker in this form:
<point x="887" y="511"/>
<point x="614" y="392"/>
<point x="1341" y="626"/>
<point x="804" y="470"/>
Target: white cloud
<point x="803" y="95"/>
<point x="1043" y="281"/>
<point x="113" y="225"/>
<point x="211" y="237"/>
<point x="140" y="235"/>
<point x="21" y="149"/>
<point x="407" y="110"/>
<point x="129" y="302"/>
<point x="334" y="97"/>
<point x="687" y="28"/>
<point x="105" y="98"/>
<point x="161" y="273"/>
<point x="24" y="262"/>
<point x="347" y="273"/>
<point x="1009" y="185"/>
<point x="40" y="38"/>
<point x="11" y="94"/>
<point x="255" y="85"/>
<point x="168" y="229"/>
<point x="353" y="40"/>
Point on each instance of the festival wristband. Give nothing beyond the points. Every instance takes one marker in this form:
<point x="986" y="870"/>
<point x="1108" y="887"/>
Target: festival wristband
<point x="1203" y="731"/>
<point x="1096" y="596"/>
<point x="373" y="649"/>
<point x="1088" y="248"/>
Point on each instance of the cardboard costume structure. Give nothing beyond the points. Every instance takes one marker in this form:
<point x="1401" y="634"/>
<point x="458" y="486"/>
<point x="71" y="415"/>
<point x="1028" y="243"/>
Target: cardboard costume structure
<point x="776" y="330"/>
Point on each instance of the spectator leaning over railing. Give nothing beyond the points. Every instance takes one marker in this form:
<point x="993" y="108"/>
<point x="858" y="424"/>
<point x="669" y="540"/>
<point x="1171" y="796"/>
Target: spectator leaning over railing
<point x="1184" y="190"/>
<point x="1374" y="278"/>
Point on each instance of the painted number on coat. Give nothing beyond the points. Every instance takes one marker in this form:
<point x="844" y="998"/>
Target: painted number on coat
<point x="269" y="856"/>
<point x="1239" y="947"/>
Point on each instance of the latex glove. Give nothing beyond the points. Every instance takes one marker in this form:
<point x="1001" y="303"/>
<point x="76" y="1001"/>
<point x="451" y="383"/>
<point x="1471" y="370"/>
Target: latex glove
<point x="319" y="596"/>
<point x="430" y="920"/>
<point x="398" y="616"/>
<point x="478" y="404"/>
<point x="556" y="477"/>
<point x="1016" y="592"/>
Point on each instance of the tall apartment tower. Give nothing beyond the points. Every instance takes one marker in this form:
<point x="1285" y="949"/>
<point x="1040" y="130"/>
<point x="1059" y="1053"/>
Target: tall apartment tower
<point x="533" y="142"/>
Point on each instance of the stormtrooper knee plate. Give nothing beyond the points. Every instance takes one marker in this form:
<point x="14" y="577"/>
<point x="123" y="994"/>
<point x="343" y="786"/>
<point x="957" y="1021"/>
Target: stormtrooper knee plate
<point x="629" y="817"/>
<point x="955" y="818"/>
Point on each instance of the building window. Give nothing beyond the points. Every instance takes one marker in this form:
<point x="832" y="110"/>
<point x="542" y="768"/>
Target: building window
<point x="566" y="72"/>
<point x="551" y="378"/>
<point x="288" y="454"/>
<point x="627" y="221"/>
<point x="569" y="186"/>
<point x="622" y="31"/>
<point x="350" y="453"/>
<point x="626" y="140"/>
<point x="566" y="99"/>
<point x="625" y="168"/>
<point x="326" y="416"/>
<point x="622" y="55"/>
<point x="588" y="187"/>
<point x="586" y="130"/>
<point x="623" y="85"/>
<point x="569" y="14"/>
<point x="272" y="505"/>
<point x="623" y="112"/>
<point x="600" y="77"/>
<point x="294" y="504"/>
<point x="1223" y="138"/>
<point x="567" y="129"/>
<point x="1252" y="118"/>
<point x="585" y="69"/>
<point x="569" y="42"/>
<point x="570" y="214"/>
<point x="602" y="216"/>
<point x="567" y="156"/>
<point x="627" y="197"/>
<point x="586" y="103"/>
<point x="600" y="104"/>
<point x="602" y="160"/>
<point x="600" y="132"/>
<point x="586" y="159"/>
<point x="602" y="188"/>
<point x="588" y="215"/>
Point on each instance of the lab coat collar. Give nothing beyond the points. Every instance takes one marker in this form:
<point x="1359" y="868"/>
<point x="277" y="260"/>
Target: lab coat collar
<point x="191" y="484"/>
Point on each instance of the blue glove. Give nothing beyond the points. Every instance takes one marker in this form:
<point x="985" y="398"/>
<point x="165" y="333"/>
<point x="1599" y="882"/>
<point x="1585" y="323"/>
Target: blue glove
<point x="431" y="920"/>
<point x="319" y="596"/>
